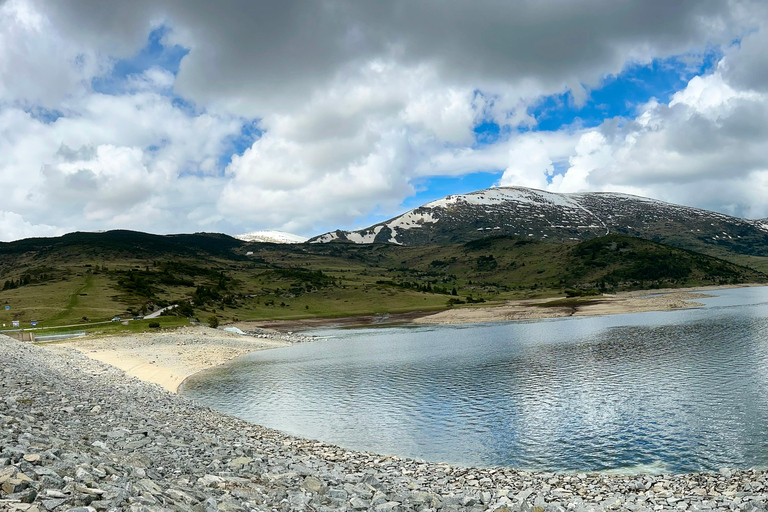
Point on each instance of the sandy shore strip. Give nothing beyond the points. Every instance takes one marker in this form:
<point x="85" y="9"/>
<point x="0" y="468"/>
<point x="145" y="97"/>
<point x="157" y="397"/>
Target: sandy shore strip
<point x="666" y="299"/>
<point x="167" y="358"/>
<point x="556" y="307"/>
<point x="561" y="307"/>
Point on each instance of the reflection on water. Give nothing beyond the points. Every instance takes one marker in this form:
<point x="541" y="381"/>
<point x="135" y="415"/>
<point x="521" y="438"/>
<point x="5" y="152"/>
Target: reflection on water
<point x="674" y="391"/>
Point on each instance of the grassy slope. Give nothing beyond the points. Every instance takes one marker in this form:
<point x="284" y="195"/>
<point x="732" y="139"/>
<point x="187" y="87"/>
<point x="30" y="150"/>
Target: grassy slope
<point x="98" y="276"/>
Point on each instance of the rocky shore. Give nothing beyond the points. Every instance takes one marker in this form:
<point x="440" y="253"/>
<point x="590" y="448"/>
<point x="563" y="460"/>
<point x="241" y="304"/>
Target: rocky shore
<point x="77" y="434"/>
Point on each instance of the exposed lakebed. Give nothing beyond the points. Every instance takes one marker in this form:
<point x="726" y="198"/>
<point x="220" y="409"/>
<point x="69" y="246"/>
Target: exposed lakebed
<point x="665" y="391"/>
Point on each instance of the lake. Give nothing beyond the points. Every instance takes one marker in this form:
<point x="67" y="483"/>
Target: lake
<point x="673" y="391"/>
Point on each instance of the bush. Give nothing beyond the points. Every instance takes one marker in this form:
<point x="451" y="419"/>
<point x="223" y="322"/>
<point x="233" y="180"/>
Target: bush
<point x="572" y="292"/>
<point x="213" y="321"/>
<point x="154" y="325"/>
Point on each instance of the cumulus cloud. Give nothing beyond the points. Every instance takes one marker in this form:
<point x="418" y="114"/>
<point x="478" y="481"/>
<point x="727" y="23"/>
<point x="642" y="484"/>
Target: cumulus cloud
<point x="353" y="103"/>
<point x="14" y="227"/>
<point x="119" y="163"/>
<point x="38" y="64"/>
<point x="707" y="147"/>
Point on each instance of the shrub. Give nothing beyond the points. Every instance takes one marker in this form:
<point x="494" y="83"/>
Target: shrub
<point x="574" y="292"/>
<point x="154" y="325"/>
<point x="213" y="321"/>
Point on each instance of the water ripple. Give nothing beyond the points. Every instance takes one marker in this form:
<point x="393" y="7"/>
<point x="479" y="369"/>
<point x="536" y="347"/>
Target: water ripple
<point x="682" y="391"/>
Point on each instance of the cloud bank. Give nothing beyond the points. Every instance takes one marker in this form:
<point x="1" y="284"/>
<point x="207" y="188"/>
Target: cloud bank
<point x="182" y="116"/>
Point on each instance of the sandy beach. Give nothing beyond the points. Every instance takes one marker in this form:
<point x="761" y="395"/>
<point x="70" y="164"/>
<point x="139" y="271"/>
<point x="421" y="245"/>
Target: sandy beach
<point x="168" y="357"/>
<point x="628" y="302"/>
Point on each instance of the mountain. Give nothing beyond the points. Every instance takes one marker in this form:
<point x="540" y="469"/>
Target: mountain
<point x="274" y="237"/>
<point x="538" y="215"/>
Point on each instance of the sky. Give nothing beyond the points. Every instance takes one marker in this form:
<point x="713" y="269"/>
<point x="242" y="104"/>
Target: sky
<point x="180" y="116"/>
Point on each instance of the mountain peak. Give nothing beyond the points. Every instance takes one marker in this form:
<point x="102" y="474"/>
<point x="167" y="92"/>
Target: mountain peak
<point x="540" y="215"/>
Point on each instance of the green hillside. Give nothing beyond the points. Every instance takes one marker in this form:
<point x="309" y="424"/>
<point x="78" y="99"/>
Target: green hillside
<point x="90" y="277"/>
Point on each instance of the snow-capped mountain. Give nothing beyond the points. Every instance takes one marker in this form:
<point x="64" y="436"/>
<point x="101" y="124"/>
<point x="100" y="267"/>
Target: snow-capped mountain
<point x="539" y="215"/>
<point x="274" y="237"/>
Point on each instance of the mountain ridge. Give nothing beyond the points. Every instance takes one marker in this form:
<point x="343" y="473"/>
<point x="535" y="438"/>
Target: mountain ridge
<point x="541" y="215"/>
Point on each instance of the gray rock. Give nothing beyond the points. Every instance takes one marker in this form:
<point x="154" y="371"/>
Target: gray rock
<point x="312" y="484"/>
<point x="359" y="504"/>
<point x="53" y="503"/>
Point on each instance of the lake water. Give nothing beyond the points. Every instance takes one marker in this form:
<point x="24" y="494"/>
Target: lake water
<point x="647" y="392"/>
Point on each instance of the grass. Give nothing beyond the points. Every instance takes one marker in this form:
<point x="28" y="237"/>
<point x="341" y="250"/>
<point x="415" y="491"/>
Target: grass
<point x="99" y="280"/>
<point x="63" y="302"/>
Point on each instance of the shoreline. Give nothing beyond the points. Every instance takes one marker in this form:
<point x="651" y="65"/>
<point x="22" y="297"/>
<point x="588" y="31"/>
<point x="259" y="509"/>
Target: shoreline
<point x="168" y="358"/>
<point x="636" y="301"/>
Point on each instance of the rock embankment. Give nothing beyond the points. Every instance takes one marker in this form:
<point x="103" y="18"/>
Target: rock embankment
<point x="270" y="334"/>
<point x="79" y="434"/>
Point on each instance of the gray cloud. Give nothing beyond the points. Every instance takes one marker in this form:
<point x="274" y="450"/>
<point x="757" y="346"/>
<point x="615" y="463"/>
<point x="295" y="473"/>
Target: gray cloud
<point x="746" y="64"/>
<point x="67" y="154"/>
<point x="251" y="54"/>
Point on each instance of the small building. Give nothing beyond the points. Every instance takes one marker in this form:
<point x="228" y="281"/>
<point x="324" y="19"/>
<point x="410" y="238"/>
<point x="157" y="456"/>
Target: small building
<point x="22" y="335"/>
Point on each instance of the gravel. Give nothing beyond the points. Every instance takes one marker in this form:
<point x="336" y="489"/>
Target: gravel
<point x="77" y="434"/>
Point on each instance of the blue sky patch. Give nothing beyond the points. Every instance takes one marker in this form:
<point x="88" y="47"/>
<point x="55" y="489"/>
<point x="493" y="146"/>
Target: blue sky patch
<point x="487" y="132"/>
<point x="43" y="114"/>
<point x="620" y="95"/>
<point x="237" y="145"/>
<point x="431" y="189"/>
<point x="154" y="54"/>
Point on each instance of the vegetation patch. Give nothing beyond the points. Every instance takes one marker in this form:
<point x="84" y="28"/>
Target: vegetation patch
<point x="93" y="278"/>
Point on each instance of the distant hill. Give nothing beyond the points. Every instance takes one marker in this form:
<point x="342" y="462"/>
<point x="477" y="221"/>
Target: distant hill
<point x="118" y="244"/>
<point x="539" y="215"/>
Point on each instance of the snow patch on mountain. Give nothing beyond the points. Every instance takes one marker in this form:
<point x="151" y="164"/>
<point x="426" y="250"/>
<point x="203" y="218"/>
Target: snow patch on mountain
<point x="364" y="237"/>
<point x="500" y="195"/>
<point x="412" y="219"/>
<point x="273" y="237"/>
<point x="323" y="239"/>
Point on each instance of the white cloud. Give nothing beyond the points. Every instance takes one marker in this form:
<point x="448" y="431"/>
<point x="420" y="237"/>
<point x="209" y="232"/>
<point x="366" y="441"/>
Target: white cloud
<point x="38" y="66"/>
<point x="592" y="153"/>
<point x="119" y="162"/>
<point x="356" y="101"/>
<point x="708" y="148"/>
<point x="529" y="164"/>
<point x="14" y="227"/>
